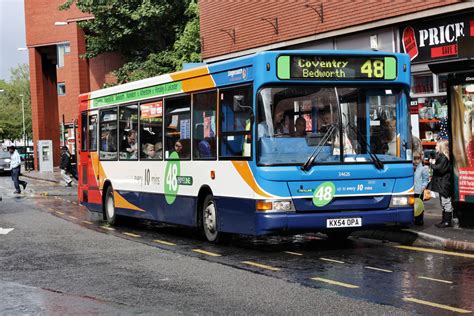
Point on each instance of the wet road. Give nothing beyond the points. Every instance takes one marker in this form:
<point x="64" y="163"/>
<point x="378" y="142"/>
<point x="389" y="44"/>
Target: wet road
<point x="413" y="279"/>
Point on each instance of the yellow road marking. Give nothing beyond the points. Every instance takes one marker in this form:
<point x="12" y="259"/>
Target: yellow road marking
<point x="437" y="280"/>
<point x="446" y="307"/>
<point x="132" y="235"/>
<point x="107" y="227"/>
<point x="50" y="209"/>
<point x="378" y="269"/>
<point x="87" y="222"/>
<point x="250" y="263"/>
<point x="73" y="202"/>
<point x="350" y="286"/>
<point x="164" y="242"/>
<point x="58" y="212"/>
<point x="294" y="253"/>
<point x="443" y="252"/>
<point x="212" y="254"/>
<point x="331" y="260"/>
<point x="72" y="217"/>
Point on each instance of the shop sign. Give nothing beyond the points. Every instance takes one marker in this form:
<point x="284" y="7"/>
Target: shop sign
<point x="466" y="183"/>
<point x="436" y="39"/>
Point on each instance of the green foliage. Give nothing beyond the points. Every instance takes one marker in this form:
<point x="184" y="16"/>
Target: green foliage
<point x="153" y="36"/>
<point x="11" y="117"/>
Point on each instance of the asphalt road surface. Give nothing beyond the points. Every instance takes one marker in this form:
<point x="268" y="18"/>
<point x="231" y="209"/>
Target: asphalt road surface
<point x="62" y="259"/>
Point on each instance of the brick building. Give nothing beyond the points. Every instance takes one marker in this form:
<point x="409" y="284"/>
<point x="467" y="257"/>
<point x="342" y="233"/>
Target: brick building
<point x="57" y="72"/>
<point x="236" y="28"/>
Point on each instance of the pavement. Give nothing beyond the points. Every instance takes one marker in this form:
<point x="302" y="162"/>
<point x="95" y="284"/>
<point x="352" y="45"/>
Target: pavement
<point x="428" y="235"/>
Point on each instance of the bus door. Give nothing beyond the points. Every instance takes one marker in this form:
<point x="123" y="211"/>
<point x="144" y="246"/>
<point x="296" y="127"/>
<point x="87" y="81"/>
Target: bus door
<point x="90" y="159"/>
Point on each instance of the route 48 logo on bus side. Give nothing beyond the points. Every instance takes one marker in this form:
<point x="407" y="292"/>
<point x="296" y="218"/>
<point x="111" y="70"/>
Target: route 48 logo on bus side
<point x="324" y="194"/>
<point x="172" y="172"/>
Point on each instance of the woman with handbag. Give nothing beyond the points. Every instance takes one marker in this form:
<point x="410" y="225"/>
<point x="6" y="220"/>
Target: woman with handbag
<point x="442" y="182"/>
<point x="421" y="182"/>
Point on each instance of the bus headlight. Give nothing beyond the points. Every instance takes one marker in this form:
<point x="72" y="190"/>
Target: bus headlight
<point x="402" y="200"/>
<point x="274" y="206"/>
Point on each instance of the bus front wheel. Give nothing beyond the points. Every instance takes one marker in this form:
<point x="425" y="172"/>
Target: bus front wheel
<point x="110" y="207"/>
<point x="209" y="222"/>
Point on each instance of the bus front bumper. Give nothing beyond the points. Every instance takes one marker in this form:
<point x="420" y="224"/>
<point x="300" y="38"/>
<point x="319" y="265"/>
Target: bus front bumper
<point x="267" y="223"/>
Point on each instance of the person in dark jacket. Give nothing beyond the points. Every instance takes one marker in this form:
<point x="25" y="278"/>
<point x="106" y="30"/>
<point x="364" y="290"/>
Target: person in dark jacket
<point x="442" y="182"/>
<point x="65" y="166"/>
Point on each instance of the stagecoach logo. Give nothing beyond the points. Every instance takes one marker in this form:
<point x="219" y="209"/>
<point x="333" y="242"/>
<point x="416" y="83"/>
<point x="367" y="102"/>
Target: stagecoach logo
<point x="237" y="74"/>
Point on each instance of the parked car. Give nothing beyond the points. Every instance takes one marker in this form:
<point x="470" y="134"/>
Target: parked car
<point x="4" y="162"/>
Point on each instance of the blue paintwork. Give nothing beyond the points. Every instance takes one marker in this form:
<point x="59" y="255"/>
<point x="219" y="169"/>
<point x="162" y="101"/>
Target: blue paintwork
<point x="236" y="215"/>
<point x="297" y="222"/>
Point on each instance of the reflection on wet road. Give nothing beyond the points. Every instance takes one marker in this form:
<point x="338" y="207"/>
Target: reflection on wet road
<point x="418" y="280"/>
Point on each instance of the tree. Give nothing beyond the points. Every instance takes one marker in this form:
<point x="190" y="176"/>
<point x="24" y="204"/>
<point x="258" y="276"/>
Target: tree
<point x="153" y="36"/>
<point x="11" y="116"/>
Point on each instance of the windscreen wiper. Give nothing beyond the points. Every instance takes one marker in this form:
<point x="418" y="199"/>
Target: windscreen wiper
<point x="377" y="162"/>
<point x="307" y="165"/>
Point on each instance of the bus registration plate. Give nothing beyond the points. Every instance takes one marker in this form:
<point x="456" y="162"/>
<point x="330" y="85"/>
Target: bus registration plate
<point x="344" y="222"/>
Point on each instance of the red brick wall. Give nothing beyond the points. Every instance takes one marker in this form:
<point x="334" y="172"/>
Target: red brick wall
<point x="78" y="74"/>
<point x="100" y="70"/>
<point x="294" y="19"/>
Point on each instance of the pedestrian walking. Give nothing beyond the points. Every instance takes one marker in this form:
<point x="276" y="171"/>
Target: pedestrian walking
<point x="442" y="183"/>
<point x="65" y="166"/>
<point x="15" y="166"/>
<point x="421" y="182"/>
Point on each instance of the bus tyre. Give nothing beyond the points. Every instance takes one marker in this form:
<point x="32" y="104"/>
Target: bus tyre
<point x="209" y="222"/>
<point x="109" y="207"/>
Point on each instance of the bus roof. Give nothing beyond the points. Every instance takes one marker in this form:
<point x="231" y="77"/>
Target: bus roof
<point x="232" y="71"/>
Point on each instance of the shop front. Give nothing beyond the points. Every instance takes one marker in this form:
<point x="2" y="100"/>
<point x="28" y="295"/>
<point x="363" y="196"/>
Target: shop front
<point x="442" y="52"/>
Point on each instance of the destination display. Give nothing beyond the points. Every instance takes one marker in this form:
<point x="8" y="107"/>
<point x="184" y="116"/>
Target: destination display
<point x="337" y="67"/>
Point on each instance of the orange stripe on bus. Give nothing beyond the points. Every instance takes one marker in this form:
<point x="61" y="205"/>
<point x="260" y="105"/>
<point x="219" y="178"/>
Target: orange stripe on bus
<point x="186" y="74"/>
<point x="198" y="83"/>
<point x="121" y="202"/>
<point x="243" y="169"/>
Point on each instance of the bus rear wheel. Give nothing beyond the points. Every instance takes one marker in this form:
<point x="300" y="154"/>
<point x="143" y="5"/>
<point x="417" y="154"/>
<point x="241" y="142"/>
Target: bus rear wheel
<point x="109" y="206"/>
<point x="209" y="222"/>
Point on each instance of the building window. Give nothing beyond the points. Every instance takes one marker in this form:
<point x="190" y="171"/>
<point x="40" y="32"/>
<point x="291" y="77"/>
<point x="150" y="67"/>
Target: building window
<point x="442" y="83"/>
<point x="62" y="49"/>
<point x="61" y="88"/>
<point x="422" y="83"/>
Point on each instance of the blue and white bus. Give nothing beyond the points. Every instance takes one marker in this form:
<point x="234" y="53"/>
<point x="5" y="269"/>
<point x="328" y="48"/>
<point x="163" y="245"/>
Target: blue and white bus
<point x="280" y="141"/>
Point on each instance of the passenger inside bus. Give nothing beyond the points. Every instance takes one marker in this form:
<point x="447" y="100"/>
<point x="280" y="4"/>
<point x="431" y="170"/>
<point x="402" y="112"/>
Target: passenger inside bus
<point x="300" y="127"/>
<point x="129" y="149"/>
<point x="149" y="151"/>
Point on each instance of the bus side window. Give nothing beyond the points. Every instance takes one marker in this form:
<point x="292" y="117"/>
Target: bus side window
<point x="178" y="127"/>
<point x="108" y="135"/>
<point x="204" y="122"/>
<point x="128" y="131"/>
<point x="151" y="130"/>
<point x="84" y="135"/>
<point x="235" y="125"/>
<point x="92" y="136"/>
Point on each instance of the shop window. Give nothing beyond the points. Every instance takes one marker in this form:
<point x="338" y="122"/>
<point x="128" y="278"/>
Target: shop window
<point x="204" y="122"/>
<point x="151" y="131"/>
<point x="235" y="123"/>
<point x="442" y="83"/>
<point x="61" y="88"/>
<point x="422" y="83"/>
<point x="128" y="127"/>
<point x="178" y="128"/>
<point x="108" y="135"/>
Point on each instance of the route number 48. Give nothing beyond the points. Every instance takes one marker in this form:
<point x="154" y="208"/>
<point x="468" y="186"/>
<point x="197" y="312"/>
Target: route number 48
<point x="372" y="68"/>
